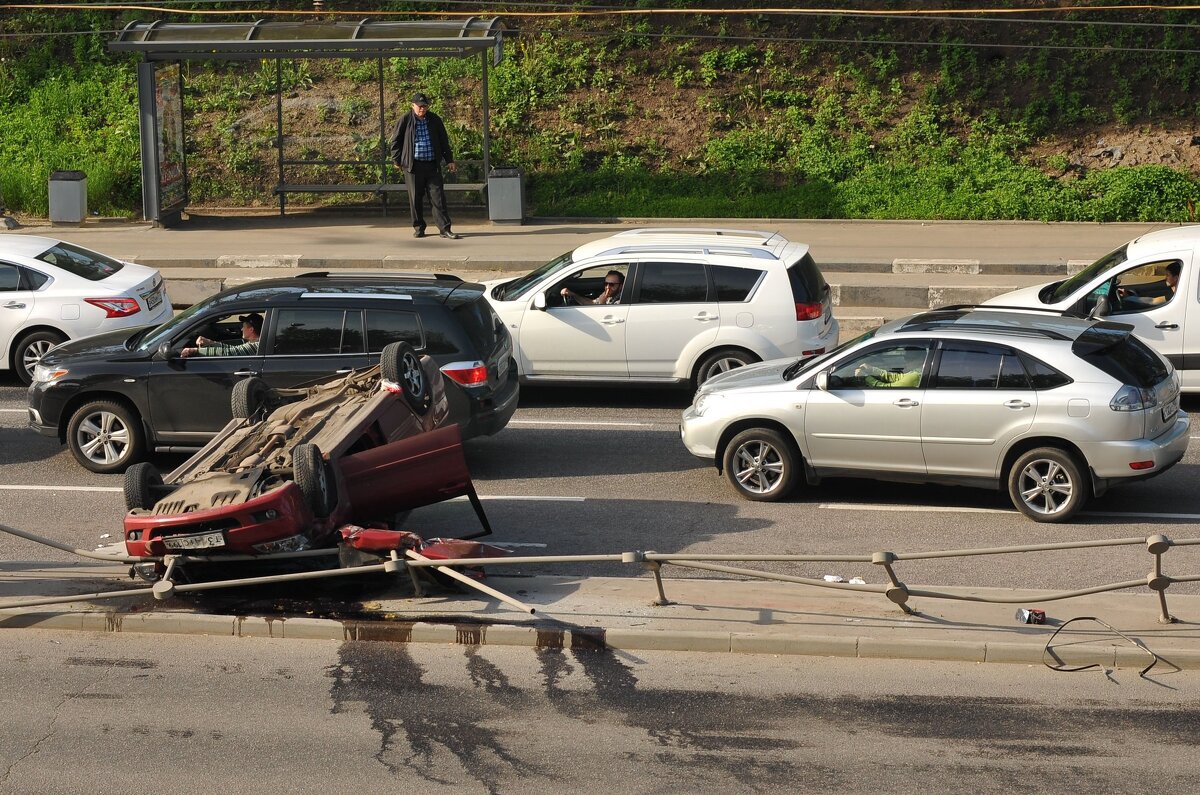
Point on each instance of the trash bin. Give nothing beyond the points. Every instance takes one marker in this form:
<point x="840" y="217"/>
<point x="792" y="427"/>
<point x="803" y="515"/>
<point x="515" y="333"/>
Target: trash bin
<point x="68" y="197"/>
<point x="506" y="196"/>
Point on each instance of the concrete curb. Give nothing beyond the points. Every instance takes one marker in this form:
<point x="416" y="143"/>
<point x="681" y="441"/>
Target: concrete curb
<point x="551" y="634"/>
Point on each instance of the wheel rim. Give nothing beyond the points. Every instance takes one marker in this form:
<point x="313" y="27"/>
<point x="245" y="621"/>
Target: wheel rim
<point x="102" y="437"/>
<point x="414" y="379"/>
<point x="723" y="365"/>
<point x="1045" y="486"/>
<point x="33" y="354"/>
<point x="758" y="467"/>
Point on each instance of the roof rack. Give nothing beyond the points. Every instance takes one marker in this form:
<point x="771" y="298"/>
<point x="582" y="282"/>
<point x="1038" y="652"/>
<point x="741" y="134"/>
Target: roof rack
<point x="682" y="230"/>
<point x="964" y="307"/>
<point x="1020" y="331"/>
<point x="440" y="277"/>
<point x="729" y="250"/>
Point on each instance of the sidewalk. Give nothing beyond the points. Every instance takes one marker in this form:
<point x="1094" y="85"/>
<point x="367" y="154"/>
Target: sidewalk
<point x="706" y="615"/>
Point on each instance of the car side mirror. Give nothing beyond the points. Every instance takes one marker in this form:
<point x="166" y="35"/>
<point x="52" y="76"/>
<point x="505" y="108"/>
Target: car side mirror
<point x="821" y="382"/>
<point x="165" y="352"/>
<point x="539" y="302"/>
<point x="1102" y="308"/>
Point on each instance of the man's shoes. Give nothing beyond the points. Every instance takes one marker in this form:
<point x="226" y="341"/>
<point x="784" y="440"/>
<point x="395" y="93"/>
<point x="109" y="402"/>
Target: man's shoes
<point x="446" y="233"/>
<point x="418" y="233"/>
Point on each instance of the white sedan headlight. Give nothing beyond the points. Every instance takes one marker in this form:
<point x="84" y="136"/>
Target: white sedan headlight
<point x="43" y="374"/>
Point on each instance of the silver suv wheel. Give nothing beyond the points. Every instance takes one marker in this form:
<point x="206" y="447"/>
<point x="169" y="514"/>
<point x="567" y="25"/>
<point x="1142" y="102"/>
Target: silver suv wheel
<point x="1047" y="485"/>
<point x="761" y="464"/>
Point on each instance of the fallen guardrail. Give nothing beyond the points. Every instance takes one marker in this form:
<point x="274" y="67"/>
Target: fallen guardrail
<point x="412" y="562"/>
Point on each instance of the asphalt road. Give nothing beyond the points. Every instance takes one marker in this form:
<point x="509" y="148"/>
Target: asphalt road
<point x="603" y="471"/>
<point x="88" y="713"/>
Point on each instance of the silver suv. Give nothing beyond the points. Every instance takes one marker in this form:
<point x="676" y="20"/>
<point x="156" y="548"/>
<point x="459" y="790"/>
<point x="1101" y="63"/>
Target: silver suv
<point x="1053" y="409"/>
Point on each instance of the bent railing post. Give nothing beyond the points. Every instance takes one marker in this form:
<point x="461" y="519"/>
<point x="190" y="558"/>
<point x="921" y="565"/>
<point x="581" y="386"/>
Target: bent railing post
<point x="897" y="592"/>
<point x="1157" y="581"/>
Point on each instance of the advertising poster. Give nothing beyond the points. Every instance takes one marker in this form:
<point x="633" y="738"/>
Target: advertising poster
<point x="168" y="101"/>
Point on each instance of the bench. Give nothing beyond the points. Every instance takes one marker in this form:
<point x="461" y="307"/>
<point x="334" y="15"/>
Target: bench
<point x="381" y="189"/>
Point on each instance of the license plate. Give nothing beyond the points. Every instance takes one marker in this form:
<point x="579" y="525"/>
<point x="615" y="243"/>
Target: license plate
<point x="198" y="541"/>
<point x="1169" y="411"/>
<point x="153" y="298"/>
<point x="502" y="368"/>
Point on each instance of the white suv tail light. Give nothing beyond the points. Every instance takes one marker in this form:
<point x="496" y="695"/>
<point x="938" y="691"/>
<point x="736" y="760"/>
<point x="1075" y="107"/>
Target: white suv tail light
<point x="809" y="311"/>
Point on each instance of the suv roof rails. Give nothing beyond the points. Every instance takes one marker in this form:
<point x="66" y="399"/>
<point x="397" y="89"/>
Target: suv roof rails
<point x="731" y="249"/>
<point x="965" y="307"/>
<point x="440" y="277"/>
<point x="1019" y="331"/>
<point x="682" y="230"/>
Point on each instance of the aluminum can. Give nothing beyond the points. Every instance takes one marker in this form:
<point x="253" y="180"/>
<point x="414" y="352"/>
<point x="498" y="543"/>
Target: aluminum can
<point x="1031" y="615"/>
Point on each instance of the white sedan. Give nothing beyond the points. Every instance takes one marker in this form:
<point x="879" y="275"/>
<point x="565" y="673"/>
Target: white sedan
<point x="52" y="291"/>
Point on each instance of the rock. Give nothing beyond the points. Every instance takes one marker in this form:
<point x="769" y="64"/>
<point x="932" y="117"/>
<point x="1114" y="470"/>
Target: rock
<point x="10" y="222"/>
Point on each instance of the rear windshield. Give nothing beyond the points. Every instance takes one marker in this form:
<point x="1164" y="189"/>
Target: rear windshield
<point x="81" y="262"/>
<point x="808" y="285"/>
<point x="480" y="322"/>
<point x="1121" y="355"/>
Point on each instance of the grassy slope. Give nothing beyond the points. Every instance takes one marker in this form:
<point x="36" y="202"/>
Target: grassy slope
<point x="702" y="115"/>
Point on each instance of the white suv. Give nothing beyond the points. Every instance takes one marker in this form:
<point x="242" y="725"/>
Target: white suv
<point x="688" y="304"/>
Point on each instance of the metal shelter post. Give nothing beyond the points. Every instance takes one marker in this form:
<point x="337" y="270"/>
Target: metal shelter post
<point x="279" y="128"/>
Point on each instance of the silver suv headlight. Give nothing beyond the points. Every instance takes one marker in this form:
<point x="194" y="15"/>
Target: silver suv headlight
<point x="704" y="402"/>
<point x="1131" y="398"/>
<point x="43" y="374"/>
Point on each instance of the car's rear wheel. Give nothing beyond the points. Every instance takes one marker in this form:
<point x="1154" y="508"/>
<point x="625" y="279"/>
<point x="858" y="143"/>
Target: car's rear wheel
<point x="401" y="365"/>
<point x="142" y="485"/>
<point x="722" y="362"/>
<point x="250" y="396"/>
<point x="30" y="349"/>
<point x="314" y="478"/>
<point x="1047" y="484"/>
<point x="761" y="465"/>
<point x="105" y="436"/>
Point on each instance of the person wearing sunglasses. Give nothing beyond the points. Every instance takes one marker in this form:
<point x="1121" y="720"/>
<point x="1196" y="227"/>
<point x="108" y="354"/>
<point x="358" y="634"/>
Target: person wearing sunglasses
<point x="613" y="282"/>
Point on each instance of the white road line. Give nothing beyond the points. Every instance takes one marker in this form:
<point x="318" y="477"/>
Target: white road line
<point x="61" y="488"/>
<point x="597" y="424"/>
<point x="24" y="411"/>
<point x="859" y="506"/>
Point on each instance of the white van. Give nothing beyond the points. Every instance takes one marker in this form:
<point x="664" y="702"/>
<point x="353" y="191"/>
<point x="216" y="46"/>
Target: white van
<point x="1149" y="283"/>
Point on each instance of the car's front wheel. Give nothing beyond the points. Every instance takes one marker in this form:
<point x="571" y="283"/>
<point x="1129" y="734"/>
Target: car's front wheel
<point x="313" y="476"/>
<point x="142" y="486"/>
<point x="761" y="465"/>
<point x="105" y="436"/>
<point x="1048" y="485"/>
<point x="30" y="349"/>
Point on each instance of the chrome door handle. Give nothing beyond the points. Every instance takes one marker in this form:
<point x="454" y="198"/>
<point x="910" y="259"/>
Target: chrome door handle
<point x="343" y="371"/>
<point x="612" y="321"/>
<point x="704" y="316"/>
<point x="1165" y="325"/>
<point x="14" y="305"/>
<point x="906" y="403"/>
<point x="1016" y="403"/>
<point x="244" y="373"/>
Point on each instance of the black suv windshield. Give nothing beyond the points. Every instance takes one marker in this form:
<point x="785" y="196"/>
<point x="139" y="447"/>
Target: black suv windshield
<point x="81" y="262"/>
<point x="1068" y="286"/>
<point x="164" y="332"/>
<point x="519" y="286"/>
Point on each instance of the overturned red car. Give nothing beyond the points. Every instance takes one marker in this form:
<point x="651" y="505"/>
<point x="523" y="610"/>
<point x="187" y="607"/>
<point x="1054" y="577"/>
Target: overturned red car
<point x="295" y="465"/>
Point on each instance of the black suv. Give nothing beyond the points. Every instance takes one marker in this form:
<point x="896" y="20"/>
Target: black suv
<point x="114" y="396"/>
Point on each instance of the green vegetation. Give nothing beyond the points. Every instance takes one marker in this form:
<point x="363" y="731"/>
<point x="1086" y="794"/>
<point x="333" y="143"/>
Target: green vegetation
<point x="709" y="115"/>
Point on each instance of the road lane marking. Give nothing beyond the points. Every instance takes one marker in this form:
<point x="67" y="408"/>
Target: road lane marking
<point x="26" y="411"/>
<point x="60" y="488"/>
<point x="860" y="506"/>
<point x="596" y="424"/>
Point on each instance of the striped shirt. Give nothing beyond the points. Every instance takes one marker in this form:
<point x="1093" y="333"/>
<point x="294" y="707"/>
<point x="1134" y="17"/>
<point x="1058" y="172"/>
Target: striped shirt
<point x="422" y="145"/>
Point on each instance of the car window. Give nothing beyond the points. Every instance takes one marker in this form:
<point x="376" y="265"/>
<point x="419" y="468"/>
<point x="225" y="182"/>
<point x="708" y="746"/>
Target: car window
<point x="672" y="283"/>
<point x="10" y="278"/>
<point x="882" y="368"/>
<point x="1138" y="289"/>
<point x="352" y="333"/>
<point x="979" y="367"/>
<point x="1042" y="375"/>
<point x="588" y="283"/>
<point x="384" y="328"/>
<point x="734" y="284"/>
<point x="308" y="332"/>
<point x="519" y="286"/>
<point x="1066" y="287"/>
<point x="35" y="280"/>
<point x="480" y="322"/>
<point x="808" y="284"/>
<point x="81" y="262"/>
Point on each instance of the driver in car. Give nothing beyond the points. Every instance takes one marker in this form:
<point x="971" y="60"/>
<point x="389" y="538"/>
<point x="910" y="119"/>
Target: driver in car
<point x="1171" y="279"/>
<point x="251" y="329"/>
<point x="613" y="282"/>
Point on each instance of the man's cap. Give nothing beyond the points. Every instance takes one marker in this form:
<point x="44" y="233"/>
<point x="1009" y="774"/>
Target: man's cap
<point x="254" y="319"/>
<point x="420" y="98"/>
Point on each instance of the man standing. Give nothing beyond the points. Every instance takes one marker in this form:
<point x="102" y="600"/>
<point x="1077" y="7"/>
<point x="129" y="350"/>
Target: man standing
<point x="419" y="145"/>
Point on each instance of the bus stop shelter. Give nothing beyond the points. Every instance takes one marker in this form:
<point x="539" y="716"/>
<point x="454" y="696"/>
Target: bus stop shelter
<point x="164" y="46"/>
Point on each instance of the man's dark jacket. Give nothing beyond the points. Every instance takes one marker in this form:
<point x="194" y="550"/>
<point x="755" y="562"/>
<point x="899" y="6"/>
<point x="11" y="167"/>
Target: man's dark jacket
<point x="405" y="131"/>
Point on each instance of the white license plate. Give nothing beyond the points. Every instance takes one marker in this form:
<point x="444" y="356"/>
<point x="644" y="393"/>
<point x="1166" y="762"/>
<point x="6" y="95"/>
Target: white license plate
<point x="1169" y="411"/>
<point x="153" y="298"/>
<point x="199" y="541"/>
<point x="502" y="368"/>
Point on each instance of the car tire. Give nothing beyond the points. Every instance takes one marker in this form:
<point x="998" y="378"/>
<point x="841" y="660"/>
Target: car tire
<point x="250" y="396"/>
<point x="30" y="349"/>
<point x="315" y="479"/>
<point x="401" y="365"/>
<point x="105" y="436"/>
<point x="1047" y="484"/>
<point x="761" y="465"/>
<point x="719" y="362"/>
<point x="142" y="485"/>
